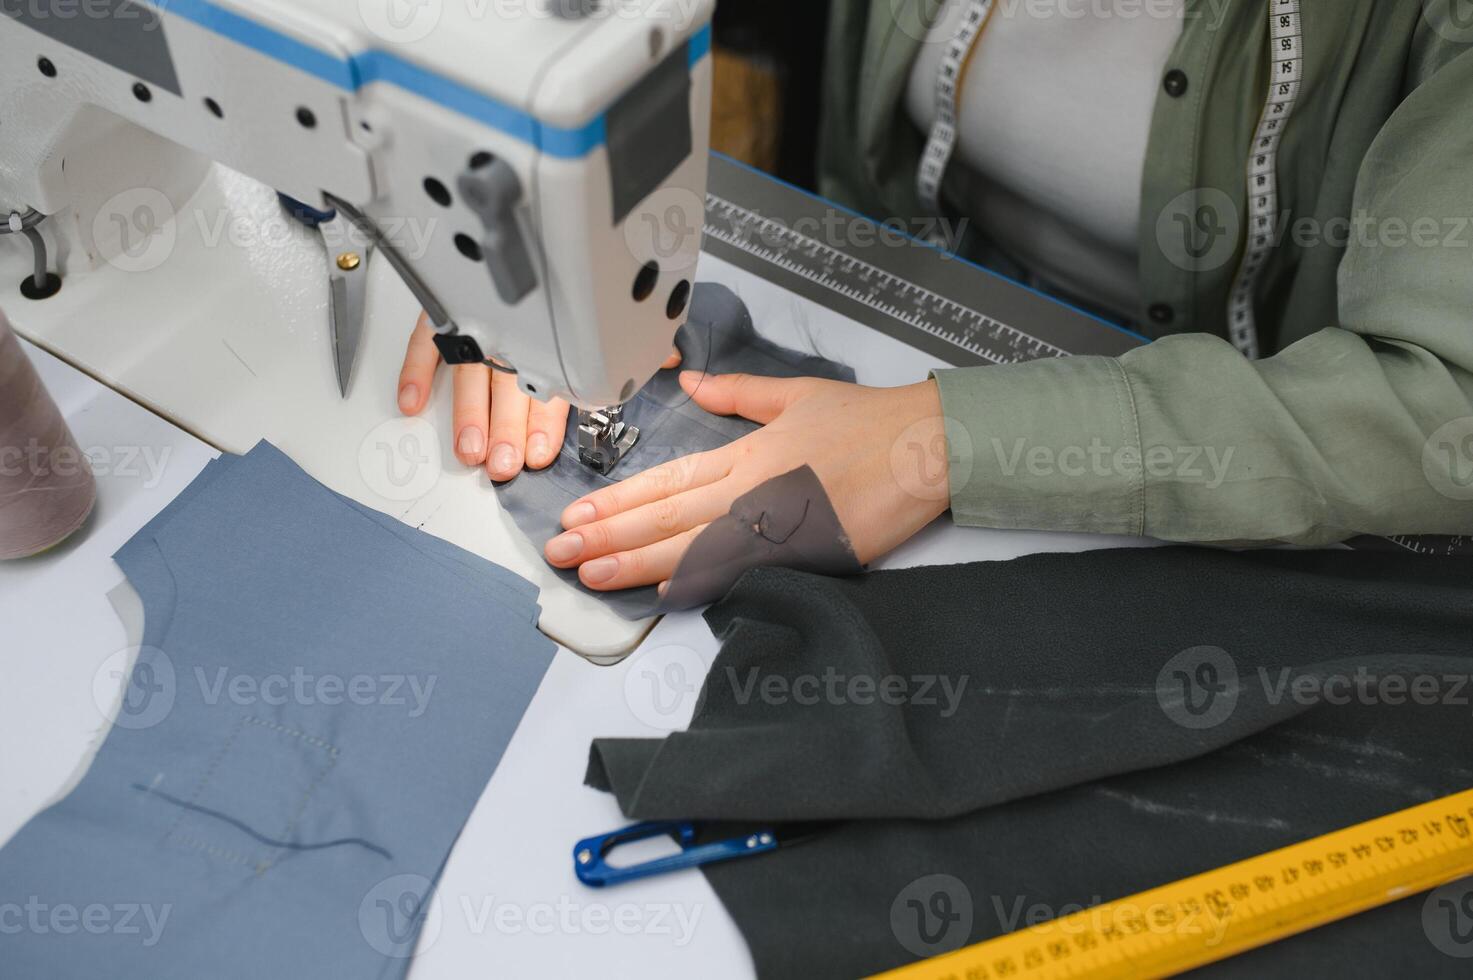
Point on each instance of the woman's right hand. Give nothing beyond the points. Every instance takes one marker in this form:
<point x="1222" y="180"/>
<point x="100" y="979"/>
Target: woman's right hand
<point x="496" y="425"/>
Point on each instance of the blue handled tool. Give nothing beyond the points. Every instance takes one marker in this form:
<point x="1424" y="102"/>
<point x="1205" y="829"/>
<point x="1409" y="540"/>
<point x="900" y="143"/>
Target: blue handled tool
<point x="590" y="854"/>
<point x="347" y="278"/>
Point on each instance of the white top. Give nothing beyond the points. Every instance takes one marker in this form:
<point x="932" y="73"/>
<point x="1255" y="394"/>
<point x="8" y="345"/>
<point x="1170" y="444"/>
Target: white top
<point x="1055" y="117"/>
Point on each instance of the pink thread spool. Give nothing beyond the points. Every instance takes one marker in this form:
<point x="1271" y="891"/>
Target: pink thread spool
<point x="46" y="487"/>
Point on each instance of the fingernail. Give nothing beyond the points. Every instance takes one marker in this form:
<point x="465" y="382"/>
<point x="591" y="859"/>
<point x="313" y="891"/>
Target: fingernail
<point x="565" y="547"/>
<point x="537" y="448"/>
<point x="600" y="570"/>
<point x="408" y="398"/>
<point x="504" y="458"/>
<point x="472" y="442"/>
<point x="578" y="514"/>
<point x="662" y="588"/>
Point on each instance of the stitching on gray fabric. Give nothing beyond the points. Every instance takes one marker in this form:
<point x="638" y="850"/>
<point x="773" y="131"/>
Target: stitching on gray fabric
<point x="224" y="855"/>
<point x="282" y="843"/>
<point x="209" y="772"/>
<point x="307" y="796"/>
<point x="309" y="739"/>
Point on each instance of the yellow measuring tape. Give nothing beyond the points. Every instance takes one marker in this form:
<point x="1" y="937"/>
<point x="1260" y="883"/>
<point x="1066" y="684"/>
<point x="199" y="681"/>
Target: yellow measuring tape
<point x="1212" y="916"/>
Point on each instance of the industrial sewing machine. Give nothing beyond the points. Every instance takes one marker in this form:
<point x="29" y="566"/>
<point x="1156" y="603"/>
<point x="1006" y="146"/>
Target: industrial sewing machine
<point x="556" y="150"/>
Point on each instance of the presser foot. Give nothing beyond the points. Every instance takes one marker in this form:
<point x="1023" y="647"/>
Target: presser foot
<point x="604" y="438"/>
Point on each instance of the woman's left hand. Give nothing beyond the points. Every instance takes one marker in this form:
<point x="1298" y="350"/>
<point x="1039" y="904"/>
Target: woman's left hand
<point x="880" y="453"/>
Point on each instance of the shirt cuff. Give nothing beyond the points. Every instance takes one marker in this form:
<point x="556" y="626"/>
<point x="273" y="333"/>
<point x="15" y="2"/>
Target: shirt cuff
<point x="1046" y="445"/>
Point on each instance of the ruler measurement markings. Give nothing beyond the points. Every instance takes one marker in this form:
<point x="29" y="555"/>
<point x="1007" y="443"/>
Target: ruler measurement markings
<point x="871" y="286"/>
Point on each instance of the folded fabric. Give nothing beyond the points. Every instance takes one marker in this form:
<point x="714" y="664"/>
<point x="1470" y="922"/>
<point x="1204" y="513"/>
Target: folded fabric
<point x="1016" y="739"/>
<point x="322" y="696"/>
<point x="718" y="338"/>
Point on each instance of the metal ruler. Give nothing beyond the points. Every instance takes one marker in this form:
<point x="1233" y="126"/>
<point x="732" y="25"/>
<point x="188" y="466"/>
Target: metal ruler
<point x="1286" y="69"/>
<point x="835" y="270"/>
<point x="1431" y="545"/>
<point x="1219" y="914"/>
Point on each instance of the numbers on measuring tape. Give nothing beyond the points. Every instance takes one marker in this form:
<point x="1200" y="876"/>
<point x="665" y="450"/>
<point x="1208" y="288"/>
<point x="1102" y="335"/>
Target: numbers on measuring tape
<point x="1203" y="919"/>
<point x="941" y="143"/>
<point x="1286" y="50"/>
<point x="1286" y="47"/>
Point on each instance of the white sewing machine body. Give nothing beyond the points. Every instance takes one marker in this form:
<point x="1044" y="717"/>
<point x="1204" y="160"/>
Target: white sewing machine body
<point x="553" y="164"/>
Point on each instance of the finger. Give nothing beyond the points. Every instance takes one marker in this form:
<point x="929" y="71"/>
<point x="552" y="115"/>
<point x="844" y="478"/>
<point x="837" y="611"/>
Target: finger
<point x="418" y="373"/>
<point x="748" y="395"/>
<point x="472" y="412"/>
<point x="666" y="480"/>
<point x="547" y="426"/>
<point x="644" y="566"/>
<point x="509" y="411"/>
<point x="673" y="361"/>
<point x="641" y="526"/>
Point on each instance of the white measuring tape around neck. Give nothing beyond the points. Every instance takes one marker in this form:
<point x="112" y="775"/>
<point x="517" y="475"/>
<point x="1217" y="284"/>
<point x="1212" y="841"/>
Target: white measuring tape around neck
<point x="942" y="142"/>
<point x="1286" y="69"/>
<point x="1286" y="41"/>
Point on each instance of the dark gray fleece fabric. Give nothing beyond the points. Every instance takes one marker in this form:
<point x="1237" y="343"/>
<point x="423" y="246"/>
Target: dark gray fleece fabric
<point x="1008" y="741"/>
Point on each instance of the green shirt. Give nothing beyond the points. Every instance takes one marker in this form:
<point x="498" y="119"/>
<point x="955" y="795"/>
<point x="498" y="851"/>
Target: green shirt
<point x="1361" y="421"/>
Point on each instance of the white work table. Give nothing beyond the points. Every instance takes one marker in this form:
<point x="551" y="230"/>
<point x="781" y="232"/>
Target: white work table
<point x="229" y="342"/>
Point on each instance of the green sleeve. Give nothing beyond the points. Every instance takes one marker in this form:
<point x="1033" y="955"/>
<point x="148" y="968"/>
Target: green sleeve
<point x="1363" y="427"/>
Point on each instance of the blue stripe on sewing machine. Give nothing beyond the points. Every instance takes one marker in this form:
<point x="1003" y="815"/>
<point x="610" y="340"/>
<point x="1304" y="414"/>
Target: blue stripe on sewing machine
<point x="369" y="66"/>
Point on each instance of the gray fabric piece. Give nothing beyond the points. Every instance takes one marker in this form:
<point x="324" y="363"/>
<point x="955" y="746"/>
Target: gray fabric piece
<point x="1062" y="730"/>
<point x="787" y="522"/>
<point x="232" y="803"/>
<point x="718" y="338"/>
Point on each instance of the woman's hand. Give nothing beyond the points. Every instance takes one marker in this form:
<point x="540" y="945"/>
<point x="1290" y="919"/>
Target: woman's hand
<point x="879" y="452"/>
<point x="495" y="423"/>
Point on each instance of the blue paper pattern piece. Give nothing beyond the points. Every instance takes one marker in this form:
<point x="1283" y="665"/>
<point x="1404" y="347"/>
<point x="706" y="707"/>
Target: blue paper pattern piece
<point x="322" y="696"/>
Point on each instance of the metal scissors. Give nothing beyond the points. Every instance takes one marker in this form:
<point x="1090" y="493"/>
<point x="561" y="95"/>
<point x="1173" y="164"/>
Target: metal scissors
<point x="347" y="281"/>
